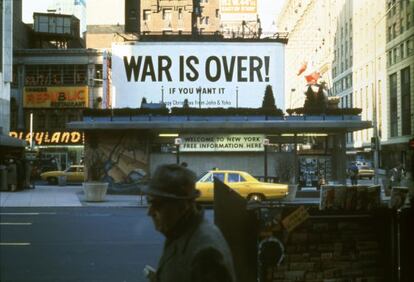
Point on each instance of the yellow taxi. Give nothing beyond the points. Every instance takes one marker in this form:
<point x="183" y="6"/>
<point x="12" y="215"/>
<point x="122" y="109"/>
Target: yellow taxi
<point x="365" y="171"/>
<point x="74" y="173"/>
<point x="241" y="182"/>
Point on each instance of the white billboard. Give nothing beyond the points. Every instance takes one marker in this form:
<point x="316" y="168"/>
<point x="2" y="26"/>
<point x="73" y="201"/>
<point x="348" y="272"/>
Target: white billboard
<point x="207" y="74"/>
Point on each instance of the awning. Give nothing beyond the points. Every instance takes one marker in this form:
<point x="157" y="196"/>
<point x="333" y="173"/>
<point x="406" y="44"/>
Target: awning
<point x="7" y="141"/>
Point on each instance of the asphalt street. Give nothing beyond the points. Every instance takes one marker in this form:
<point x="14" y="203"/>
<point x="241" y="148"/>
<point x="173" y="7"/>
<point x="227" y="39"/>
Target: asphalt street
<point x="77" y="244"/>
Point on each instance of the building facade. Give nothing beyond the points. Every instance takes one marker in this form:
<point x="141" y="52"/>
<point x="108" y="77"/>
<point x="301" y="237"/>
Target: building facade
<point x="311" y="31"/>
<point x="179" y="16"/>
<point x="400" y="83"/>
<point x="51" y="88"/>
<point x="6" y="49"/>
<point x="76" y="8"/>
<point x="359" y="48"/>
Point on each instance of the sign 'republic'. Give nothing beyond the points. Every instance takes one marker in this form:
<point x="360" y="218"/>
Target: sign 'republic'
<point x="222" y="143"/>
<point x="206" y="74"/>
<point x="55" y="97"/>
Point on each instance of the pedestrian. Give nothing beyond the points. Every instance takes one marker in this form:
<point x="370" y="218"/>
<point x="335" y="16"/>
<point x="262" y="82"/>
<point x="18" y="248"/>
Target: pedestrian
<point x="194" y="249"/>
<point x="397" y="174"/>
<point x="353" y="173"/>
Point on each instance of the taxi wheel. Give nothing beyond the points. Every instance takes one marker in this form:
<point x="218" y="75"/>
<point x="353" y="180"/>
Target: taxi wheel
<point x="256" y="197"/>
<point x="52" y="180"/>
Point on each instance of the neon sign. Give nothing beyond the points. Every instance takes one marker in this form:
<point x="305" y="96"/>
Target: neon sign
<point x="51" y="138"/>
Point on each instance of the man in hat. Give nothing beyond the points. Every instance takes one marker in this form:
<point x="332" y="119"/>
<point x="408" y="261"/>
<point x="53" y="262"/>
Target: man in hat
<point x="194" y="250"/>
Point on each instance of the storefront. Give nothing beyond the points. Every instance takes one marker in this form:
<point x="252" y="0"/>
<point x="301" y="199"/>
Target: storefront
<point x="52" y="150"/>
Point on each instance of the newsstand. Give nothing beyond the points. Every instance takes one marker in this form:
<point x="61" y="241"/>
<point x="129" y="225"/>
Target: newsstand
<point x="351" y="237"/>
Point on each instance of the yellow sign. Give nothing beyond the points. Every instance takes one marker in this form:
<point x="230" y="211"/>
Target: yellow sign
<point x="239" y="6"/>
<point x="51" y="138"/>
<point x="55" y="97"/>
<point x="295" y="218"/>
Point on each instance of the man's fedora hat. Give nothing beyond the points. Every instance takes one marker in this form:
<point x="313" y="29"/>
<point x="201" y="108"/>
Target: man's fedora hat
<point x="172" y="181"/>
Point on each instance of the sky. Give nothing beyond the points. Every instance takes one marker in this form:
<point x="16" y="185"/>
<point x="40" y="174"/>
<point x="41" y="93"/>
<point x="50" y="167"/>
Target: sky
<point x="31" y="6"/>
<point x="268" y="10"/>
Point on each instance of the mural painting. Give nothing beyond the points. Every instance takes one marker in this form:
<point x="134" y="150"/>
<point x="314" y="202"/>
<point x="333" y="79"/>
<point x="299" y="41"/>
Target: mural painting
<point x="122" y="160"/>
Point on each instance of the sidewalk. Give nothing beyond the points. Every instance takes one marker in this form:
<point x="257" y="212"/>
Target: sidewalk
<point x="67" y="196"/>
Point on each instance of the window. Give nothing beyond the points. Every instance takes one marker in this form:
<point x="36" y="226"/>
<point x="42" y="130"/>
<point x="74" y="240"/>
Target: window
<point x="56" y="74"/>
<point x="180" y="13"/>
<point x="393" y="106"/>
<point x="401" y="26"/>
<point x="68" y="74"/>
<point x="394" y="7"/>
<point x="71" y="169"/>
<point x="43" y="75"/>
<point x="217" y="13"/>
<point x="405" y="101"/>
<point x="235" y="177"/>
<point x="394" y="30"/>
<point x="389" y="33"/>
<point x="410" y="46"/>
<point x="166" y="14"/>
<point x="98" y="75"/>
<point x="147" y="15"/>
<point x="80" y="74"/>
<point x="402" y="55"/>
<point x="220" y="176"/>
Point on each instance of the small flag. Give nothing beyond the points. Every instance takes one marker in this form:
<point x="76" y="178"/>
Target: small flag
<point x="312" y="78"/>
<point x="302" y="68"/>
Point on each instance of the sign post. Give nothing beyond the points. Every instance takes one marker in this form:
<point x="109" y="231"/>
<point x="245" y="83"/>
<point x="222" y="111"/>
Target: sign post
<point x="265" y="145"/>
<point x="177" y="143"/>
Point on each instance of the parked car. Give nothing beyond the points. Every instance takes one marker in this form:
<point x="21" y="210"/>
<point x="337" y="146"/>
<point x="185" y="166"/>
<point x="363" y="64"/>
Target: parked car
<point x="365" y="171"/>
<point x="241" y="182"/>
<point x="74" y="173"/>
<point x="42" y="165"/>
